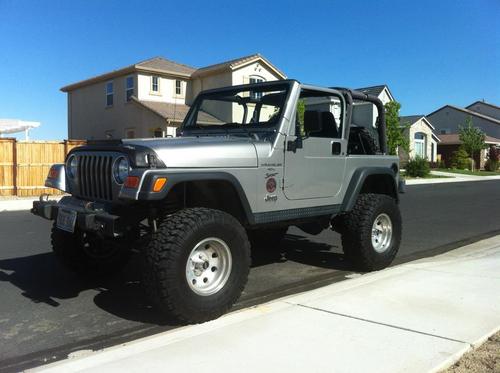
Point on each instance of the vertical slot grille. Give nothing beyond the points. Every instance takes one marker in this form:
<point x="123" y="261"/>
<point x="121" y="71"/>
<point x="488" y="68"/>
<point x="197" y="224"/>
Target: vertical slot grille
<point x="94" y="176"/>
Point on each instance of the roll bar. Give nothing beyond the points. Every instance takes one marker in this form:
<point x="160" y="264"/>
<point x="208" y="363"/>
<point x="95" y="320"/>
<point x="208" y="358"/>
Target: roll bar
<point x="357" y="95"/>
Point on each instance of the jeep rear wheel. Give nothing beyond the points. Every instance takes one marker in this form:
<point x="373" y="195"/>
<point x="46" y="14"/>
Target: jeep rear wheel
<point x="197" y="264"/>
<point x="371" y="232"/>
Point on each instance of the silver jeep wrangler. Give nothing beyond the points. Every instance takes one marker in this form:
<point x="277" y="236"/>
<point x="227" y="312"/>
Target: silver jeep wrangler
<point x="250" y="161"/>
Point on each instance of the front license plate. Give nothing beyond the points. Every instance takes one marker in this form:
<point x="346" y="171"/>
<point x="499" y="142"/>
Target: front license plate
<point x="66" y="220"/>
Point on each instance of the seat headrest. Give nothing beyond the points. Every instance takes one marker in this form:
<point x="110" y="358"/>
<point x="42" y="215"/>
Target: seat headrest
<point x="312" y="121"/>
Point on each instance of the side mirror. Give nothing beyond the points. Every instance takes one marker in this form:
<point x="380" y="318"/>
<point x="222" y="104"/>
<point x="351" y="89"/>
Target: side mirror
<point x="312" y="121"/>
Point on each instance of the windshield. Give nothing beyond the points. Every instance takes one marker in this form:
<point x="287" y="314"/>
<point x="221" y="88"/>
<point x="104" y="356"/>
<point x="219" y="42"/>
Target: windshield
<point x="250" y="107"/>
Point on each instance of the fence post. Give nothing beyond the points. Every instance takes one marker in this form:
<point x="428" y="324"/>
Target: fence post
<point x="14" y="165"/>
<point x="65" y="148"/>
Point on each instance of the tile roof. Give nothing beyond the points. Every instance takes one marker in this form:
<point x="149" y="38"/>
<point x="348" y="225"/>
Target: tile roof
<point x="491" y="106"/>
<point x="483" y="103"/>
<point x="454" y="139"/>
<point x="467" y="111"/>
<point x="160" y="63"/>
<point x="374" y="90"/>
<point x="173" y="112"/>
<point x="409" y="119"/>
<point x="165" y="66"/>
<point x="231" y="64"/>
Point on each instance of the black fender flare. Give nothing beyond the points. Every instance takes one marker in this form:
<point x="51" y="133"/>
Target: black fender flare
<point x="146" y="194"/>
<point x="357" y="181"/>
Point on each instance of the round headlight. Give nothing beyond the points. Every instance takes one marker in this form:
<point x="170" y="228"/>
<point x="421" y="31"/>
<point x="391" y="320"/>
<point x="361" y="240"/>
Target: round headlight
<point x="71" y="166"/>
<point x="121" y="170"/>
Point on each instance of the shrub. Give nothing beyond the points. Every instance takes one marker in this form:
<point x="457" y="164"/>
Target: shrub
<point x="494" y="154"/>
<point x="460" y="159"/>
<point x="491" y="165"/>
<point x="418" y="167"/>
<point x="438" y="164"/>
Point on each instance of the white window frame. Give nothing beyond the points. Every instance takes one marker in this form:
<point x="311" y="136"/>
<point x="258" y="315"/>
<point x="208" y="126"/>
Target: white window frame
<point x="109" y="93"/>
<point x="255" y="79"/>
<point x="420" y="142"/>
<point x="157" y="91"/>
<point x="128" y="89"/>
<point x="180" y="87"/>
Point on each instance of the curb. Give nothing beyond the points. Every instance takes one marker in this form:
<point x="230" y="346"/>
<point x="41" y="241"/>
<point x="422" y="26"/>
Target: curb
<point x="101" y="360"/>
<point x="458" y="179"/>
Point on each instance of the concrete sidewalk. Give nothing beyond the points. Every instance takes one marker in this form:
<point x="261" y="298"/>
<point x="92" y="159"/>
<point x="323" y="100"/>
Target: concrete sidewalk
<point x="450" y="178"/>
<point x="416" y="317"/>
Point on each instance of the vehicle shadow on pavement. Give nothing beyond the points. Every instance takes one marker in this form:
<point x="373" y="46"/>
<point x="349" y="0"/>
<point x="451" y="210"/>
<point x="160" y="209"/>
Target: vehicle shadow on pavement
<point x="42" y="279"/>
<point x="301" y="250"/>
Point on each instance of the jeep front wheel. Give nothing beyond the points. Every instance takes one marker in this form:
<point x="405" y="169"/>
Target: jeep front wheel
<point x="197" y="264"/>
<point x="371" y="232"/>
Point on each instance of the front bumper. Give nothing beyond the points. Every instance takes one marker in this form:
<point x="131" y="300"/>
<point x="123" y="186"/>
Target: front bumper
<point x="91" y="217"/>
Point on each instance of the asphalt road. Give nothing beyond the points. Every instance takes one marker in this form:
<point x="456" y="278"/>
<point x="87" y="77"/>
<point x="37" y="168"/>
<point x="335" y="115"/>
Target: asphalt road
<point x="47" y="312"/>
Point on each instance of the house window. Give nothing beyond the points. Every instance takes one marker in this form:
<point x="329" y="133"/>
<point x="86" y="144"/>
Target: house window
<point x="178" y="87"/>
<point x="155" y="84"/>
<point x="129" y="91"/>
<point x="109" y="94"/>
<point x="158" y="133"/>
<point x="252" y="80"/>
<point x="129" y="133"/>
<point x="419" y="146"/>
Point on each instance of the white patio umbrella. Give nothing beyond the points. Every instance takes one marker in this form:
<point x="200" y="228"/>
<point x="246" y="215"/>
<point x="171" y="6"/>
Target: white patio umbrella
<point x="16" y="125"/>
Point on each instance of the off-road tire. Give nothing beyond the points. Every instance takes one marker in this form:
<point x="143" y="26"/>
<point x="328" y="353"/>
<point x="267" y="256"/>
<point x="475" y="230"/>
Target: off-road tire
<point x="361" y="141"/>
<point x="167" y="255"/>
<point x="356" y="230"/>
<point x="74" y="250"/>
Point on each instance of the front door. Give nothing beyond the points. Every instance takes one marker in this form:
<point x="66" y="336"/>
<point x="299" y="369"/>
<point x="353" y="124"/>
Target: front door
<point x="316" y="170"/>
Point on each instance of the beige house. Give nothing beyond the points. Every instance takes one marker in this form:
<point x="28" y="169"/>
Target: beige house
<point x="151" y="98"/>
<point x="422" y="138"/>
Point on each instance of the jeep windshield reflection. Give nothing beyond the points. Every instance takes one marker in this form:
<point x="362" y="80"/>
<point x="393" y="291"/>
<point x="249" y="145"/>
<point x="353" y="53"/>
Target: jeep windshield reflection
<point x="251" y="109"/>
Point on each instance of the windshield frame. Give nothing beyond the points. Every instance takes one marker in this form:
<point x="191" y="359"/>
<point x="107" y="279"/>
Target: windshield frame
<point x="285" y="85"/>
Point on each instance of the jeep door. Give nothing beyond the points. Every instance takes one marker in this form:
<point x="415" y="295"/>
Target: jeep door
<point x="314" y="164"/>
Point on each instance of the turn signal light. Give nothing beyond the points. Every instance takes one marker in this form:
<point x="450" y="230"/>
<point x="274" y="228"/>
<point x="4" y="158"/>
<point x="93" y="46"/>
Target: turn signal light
<point x="159" y="184"/>
<point x="131" y="182"/>
<point x="53" y="173"/>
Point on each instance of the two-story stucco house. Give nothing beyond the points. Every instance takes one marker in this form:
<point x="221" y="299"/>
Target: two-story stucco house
<point x="152" y="97"/>
<point x="448" y="119"/>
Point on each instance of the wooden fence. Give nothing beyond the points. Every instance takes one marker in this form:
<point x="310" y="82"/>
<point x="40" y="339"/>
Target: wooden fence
<point x="24" y="165"/>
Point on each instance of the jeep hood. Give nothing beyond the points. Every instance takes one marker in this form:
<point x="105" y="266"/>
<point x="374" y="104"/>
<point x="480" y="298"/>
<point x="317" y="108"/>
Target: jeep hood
<point x="201" y="152"/>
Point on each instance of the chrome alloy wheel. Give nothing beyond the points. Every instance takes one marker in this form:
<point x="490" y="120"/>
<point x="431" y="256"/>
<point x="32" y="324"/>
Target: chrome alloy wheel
<point x="381" y="233"/>
<point x="209" y="266"/>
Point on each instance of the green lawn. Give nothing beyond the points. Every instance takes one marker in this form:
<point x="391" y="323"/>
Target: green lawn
<point x="467" y="172"/>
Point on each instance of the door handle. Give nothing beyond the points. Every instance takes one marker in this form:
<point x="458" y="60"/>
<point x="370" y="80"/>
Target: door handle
<point x="336" y="148"/>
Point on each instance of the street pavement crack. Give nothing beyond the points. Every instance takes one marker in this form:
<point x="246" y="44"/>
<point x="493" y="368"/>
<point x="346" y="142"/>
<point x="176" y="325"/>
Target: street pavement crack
<point x="381" y="323"/>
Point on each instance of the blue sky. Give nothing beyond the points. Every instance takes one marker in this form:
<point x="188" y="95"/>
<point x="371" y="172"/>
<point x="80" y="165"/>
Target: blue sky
<point x="430" y="53"/>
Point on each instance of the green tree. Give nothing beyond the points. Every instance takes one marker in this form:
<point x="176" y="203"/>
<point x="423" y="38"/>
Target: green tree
<point x="394" y="131"/>
<point x="472" y="138"/>
<point x="301" y="109"/>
